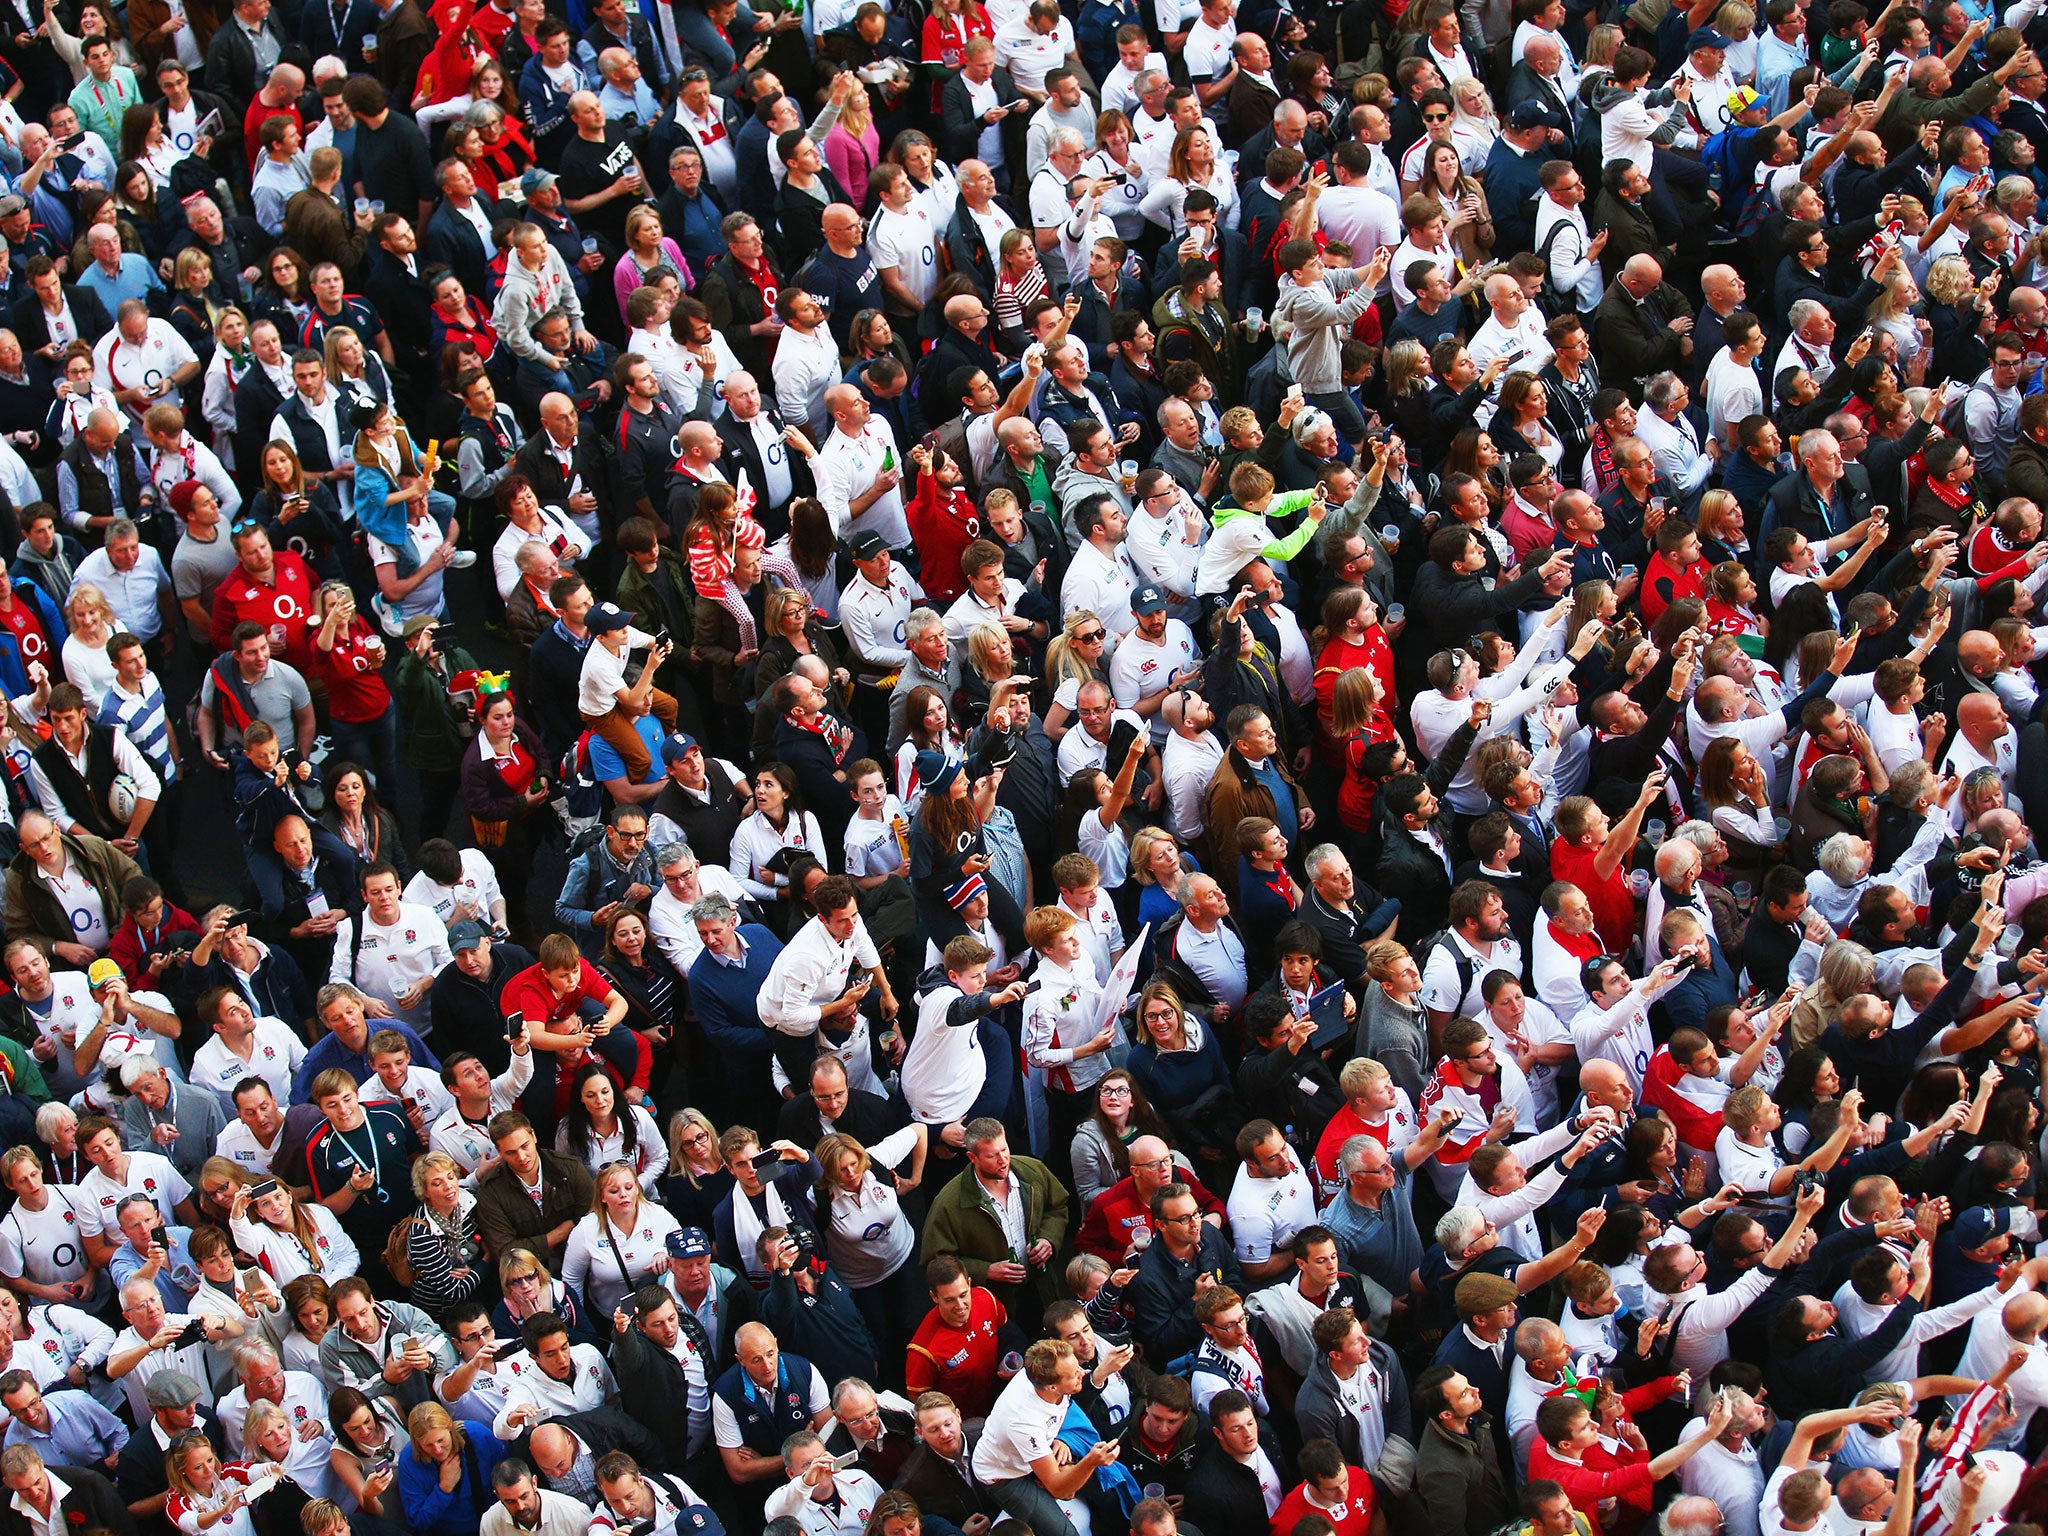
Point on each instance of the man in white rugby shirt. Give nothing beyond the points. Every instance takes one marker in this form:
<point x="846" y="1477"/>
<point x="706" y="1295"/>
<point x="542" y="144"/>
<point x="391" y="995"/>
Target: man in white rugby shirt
<point x="402" y="948"/>
<point x="684" y="883"/>
<point x="479" y="1387"/>
<point x="462" y="1129"/>
<point x="39" y="1244"/>
<point x="256" y="1135"/>
<point x="551" y="1378"/>
<point x="243" y="1045"/>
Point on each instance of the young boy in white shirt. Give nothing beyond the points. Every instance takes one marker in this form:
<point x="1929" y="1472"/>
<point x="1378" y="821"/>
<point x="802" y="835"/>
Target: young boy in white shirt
<point x="878" y="836"/>
<point x="420" y="1093"/>
<point x="944" y="1070"/>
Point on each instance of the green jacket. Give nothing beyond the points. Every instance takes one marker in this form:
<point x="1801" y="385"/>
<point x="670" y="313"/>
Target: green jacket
<point x="636" y="594"/>
<point x="32" y="912"/>
<point x="1910" y="108"/>
<point x="433" y="742"/>
<point x="963" y="1222"/>
<point x="24" y="1076"/>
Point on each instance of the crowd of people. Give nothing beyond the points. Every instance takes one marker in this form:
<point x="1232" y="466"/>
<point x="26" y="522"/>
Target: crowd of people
<point x="1023" y="767"/>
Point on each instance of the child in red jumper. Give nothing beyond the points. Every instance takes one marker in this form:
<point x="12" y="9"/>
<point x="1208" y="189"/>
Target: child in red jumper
<point x="151" y="932"/>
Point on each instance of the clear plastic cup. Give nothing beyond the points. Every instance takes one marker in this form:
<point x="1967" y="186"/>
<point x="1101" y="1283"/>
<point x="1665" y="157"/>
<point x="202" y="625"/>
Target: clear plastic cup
<point x="362" y="205"/>
<point x="1639" y="881"/>
<point x="1141" y="1239"/>
<point x="1254" y="319"/>
<point x="1013" y="1362"/>
<point x="1784" y="825"/>
<point x="1744" y="893"/>
<point x="1127" y="472"/>
<point x="376" y="205"/>
<point x="590" y="245"/>
<point x="1653" y="832"/>
<point x="1154" y="1490"/>
<point x="1395" y="613"/>
<point x="1390" y="535"/>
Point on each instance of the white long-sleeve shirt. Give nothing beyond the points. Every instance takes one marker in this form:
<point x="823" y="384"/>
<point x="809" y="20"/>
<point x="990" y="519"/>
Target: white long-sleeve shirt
<point x="1858" y="1317"/>
<point x="284" y="1257"/>
<point x="590" y="1385"/>
<point x="755" y="841"/>
<point x="1513" y="692"/>
<point x="810" y="972"/>
<point x="1514" y="1212"/>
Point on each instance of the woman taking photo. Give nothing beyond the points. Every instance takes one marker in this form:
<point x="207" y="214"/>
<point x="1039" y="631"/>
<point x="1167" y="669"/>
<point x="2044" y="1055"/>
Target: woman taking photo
<point x="852" y="149"/>
<point x="1113" y="158"/>
<point x="812" y="553"/>
<point x="622" y="1244"/>
<point x="991" y="664"/>
<point x="348" y="657"/>
<point x="1101" y="1148"/>
<point x="947" y="846"/>
<point x="290" y="1239"/>
<point x="607" y="1135"/>
<point x="245" y="1308"/>
<point x="506" y="793"/>
<point x="1093" y="808"/>
<point x="444" y="1247"/>
<point x="867" y="1237"/>
<point x="529" y="1290"/>
<point x="697" y="1178"/>
<point x="779" y="823"/>
<point x="300" y="514"/>
<point x="205" y="1497"/>
<point x="1020" y="282"/>
<point x="365" y="1455"/>
<point x="444" y="1472"/>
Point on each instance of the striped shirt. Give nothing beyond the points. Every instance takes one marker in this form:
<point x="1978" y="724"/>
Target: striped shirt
<point x="148" y="726"/>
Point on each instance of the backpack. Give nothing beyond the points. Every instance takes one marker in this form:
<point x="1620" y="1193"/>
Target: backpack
<point x="1442" y="939"/>
<point x="395" y="1261"/>
<point x="1952" y="421"/>
<point x="1555" y="300"/>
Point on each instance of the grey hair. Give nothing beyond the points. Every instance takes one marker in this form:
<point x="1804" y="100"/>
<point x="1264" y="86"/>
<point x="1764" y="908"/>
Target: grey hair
<point x="714" y="909"/>
<point x="1534" y="1335"/>
<point x="529" y="554"/>
<point x="1838" y="856"/>
<point x="1318" y="856"/>
<point x="252" y="1353"/>
<point x="850" y="1385"/>
<point x="128" y="1200"/>
<point x="121" y="528"/>
<point x="922" y="621"/>
<point x="1184" y="891"/>
<point x="1700" y="834"/>
<point x="1676" y="855"/>
<point x="1458" y="1228"/>
<point x="2010" y="189"/>
<point x="797" y="1442"/>
<point x="1846" y="967"/>
<point x="136" y="1068"/>
<point x="1147" y="80"/>
<point x="1351" y="1156"/>
<point x="674" y="856"/>
<point x="1666" y="387"/>
<point x="1813" y="441"/>
<point x="1064" y="139"/>
<point x="1809" y="309"/>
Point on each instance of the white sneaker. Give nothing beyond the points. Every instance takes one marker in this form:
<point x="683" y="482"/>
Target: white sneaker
<point x="462" y="559"/>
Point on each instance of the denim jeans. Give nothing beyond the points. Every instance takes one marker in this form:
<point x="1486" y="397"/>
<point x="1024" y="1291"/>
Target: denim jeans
<point x="373" y="744"/>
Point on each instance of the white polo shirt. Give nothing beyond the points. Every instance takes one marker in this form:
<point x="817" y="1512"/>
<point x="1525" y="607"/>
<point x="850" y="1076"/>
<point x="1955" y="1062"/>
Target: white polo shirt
<point x="275" y="1051"/>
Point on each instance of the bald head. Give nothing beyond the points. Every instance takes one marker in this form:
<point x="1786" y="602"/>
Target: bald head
<point x="1692" y="1513"/>
<point x="1718" y="699"/>
<point x="1641" y="274"/>
<point x="1980" y="653"/>
<point x="1602" y="1078"/>
<point x="2024" y="1317"/>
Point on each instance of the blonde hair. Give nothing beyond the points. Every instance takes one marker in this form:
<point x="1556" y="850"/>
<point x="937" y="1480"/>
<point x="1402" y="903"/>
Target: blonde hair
<point x="85" y="595"/>
<point x="330" y="351"/>
<point x="428" y="1417"/>
<point x="1144" y="843"/>
<point x="678" y="1162"/>
<point x="1949" y="279"/>
<point x="429" y="1164"/>
<point x="604" y="1177"/>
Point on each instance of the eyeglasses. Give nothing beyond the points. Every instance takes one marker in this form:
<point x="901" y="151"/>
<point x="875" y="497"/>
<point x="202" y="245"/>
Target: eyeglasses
<point x="1092" y="637"/>
<point x="629" y="837"/>
<point x="1436" y="117"/>
<point x="1182" y="1221"/>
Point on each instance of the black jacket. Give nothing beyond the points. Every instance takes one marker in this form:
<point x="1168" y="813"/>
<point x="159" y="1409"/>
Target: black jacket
<point x="464" y="1011"/>
<point x="452" y="240"/>
<point x="960" y="129"/>
<point x="87" y="312"/>
<point x="91" y="1505"/>
<point x="1227" y="1492"/>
